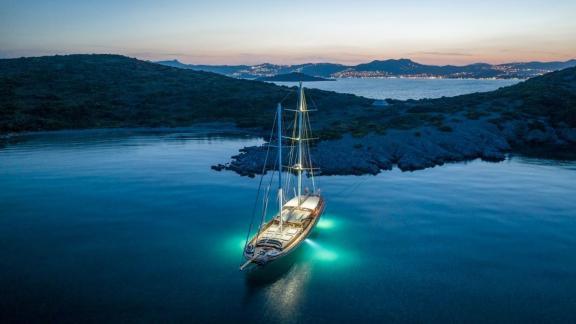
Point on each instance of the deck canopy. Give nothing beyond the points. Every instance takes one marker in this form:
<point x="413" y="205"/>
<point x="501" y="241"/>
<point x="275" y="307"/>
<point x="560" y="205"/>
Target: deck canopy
<point x="310" y="202"/>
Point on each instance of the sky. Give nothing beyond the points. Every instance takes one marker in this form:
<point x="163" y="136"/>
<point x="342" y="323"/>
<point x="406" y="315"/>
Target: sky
<point x="296" y="31"/>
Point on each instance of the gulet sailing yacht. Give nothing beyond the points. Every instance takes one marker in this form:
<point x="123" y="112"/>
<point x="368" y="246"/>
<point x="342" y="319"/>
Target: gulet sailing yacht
<point x="299" y="209"/>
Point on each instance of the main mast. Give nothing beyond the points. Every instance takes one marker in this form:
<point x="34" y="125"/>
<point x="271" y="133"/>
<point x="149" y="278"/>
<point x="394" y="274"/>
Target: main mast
<point x="300" y="164"/>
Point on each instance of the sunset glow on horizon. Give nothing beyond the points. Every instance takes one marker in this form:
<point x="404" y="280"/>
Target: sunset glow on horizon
<point x="289" y="32"/>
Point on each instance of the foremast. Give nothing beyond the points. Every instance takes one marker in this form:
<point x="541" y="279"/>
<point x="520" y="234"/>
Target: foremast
<point x="280" y="194"/>
<point x="299" y="165"/>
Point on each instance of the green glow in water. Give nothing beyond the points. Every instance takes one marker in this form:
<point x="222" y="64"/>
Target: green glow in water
<point x="325" y="224"/>
<point x="234" y="245"/>
<point x="319" y="248"/>
<point x="329" y="222"/>
<point x="326" y="255"/>
<point x="241" y="244"/>
<point x="322" y="253"/>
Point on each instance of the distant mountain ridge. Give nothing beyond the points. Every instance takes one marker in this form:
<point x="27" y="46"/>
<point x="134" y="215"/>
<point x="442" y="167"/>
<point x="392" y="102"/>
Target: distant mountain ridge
<point x="384" y="68"/>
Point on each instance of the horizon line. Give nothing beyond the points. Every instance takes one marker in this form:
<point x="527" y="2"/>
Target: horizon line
<point x="139" y="57"/>
<point x="344" y="64"/>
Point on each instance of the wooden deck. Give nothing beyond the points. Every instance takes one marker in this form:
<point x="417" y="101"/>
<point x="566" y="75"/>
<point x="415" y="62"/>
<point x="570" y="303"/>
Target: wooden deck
<point x="275" y="241"/>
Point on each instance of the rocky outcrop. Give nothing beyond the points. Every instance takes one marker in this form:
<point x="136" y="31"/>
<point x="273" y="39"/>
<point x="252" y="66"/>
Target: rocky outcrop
<point x="412" y="149"/>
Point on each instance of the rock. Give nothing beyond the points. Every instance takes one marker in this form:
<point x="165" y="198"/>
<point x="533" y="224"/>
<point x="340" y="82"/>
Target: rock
<point x="218" y="167"/>
<point x="372" y="153"/>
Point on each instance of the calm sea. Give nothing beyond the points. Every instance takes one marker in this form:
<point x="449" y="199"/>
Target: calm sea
<point x="399" y="88"/>
<point x="134" y="227"/>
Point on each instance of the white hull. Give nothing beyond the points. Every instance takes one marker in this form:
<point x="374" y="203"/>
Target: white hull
<point x="275" y="241"/>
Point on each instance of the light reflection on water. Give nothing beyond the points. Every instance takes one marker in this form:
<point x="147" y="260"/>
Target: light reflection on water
<point x="283" y="297"/>
<point x="138" y="225"/>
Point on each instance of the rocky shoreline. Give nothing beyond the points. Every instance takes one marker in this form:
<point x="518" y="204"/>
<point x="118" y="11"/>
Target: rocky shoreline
<point x="537" y="115"/>
<point x="414" y="149"/>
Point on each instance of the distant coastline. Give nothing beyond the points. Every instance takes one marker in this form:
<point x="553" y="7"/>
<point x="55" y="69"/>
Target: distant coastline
<point x="404" y="68"/>
<point x="293" y="77"/>
<point x="428" y="78"/>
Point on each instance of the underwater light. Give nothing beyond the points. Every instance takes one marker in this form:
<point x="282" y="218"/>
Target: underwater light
<point x="235" y="243"/>
<point x="325" y="224"/>
<point x="241" y="244"/>
<point x="312" y="243"/>
<point x="326" y="255"/>
<point x="321" y="253"/>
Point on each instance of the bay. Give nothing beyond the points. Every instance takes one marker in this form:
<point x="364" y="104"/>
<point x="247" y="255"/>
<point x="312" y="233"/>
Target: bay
<point x="407" y="88"/>
<point x="133" y="226"/>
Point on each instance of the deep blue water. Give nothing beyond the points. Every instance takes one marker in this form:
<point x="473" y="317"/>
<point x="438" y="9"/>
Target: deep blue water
<point x="134" y="226"/>
<point x="400" y="88"/>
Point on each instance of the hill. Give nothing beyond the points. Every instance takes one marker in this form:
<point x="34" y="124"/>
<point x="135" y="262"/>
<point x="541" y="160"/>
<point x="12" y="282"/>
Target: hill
<point x="95" y="91"/>
<point x="220" y="69"/>
<point x="261" y="70"/>
<point x="384" y="68"/>
<point x="551" y="97"/>
<point x="293" y="77"/>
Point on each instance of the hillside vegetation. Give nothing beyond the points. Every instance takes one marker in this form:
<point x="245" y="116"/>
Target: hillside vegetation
<point x="549" y="99"/>
<point x="101" y="91"/>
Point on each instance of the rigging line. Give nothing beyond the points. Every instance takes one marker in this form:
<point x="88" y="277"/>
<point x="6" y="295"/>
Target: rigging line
<point x="258" y="192"/>
<point x="286" y="183"/>
<point x="290" y="91"/>
<point x="309" y="130"/>
<point x="360" y="183"/>
<point x="267" y="199"/>
<point x="288" y="179"/>
<point x="314" y="105"/>
<point x="285" y="128"/>
<point x="308" y="160"/>
<point x="352" y="188"/>
<point x="292" y="157"/>
<point x="264" y="208"/>
<point x="265" y="205"/>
